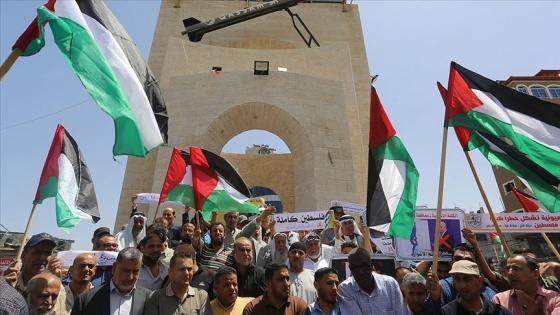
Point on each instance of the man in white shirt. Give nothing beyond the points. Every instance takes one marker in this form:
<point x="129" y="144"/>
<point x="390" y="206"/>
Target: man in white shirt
<point x="301" y="279"/>
<point x="318" y="255"/>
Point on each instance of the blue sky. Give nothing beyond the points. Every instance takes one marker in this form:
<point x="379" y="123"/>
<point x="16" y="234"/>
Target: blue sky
<point x="409" y="44"/>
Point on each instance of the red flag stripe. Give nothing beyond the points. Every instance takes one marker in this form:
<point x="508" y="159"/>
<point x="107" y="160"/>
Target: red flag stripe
<point x="32" y="30"/>
<point x="462" y="134"/>
<point x="460" y="97"/>
<point x="50" y="169"/>
<point x="380" y="132"/>
<point x="175" y="173"/>
<point x="204" y="178"/>
<point x="527" y="203"/>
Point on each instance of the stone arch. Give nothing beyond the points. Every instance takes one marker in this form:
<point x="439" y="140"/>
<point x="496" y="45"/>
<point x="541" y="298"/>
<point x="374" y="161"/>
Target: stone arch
<point x="263" y="116"/>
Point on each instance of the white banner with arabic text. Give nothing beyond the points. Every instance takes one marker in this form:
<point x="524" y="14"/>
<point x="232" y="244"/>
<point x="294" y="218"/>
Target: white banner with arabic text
<point x="514" y="222"/>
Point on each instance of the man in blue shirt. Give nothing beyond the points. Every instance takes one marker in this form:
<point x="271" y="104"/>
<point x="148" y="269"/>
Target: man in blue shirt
<point x="326" y="284"/>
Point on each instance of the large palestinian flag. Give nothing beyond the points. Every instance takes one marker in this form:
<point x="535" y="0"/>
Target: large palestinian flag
<point x="513" y="130"/>
<point x="205" y="181"/>
<point x="392" y="177"/>
<point x="110" y="67"/>
<point x="66" y="177"/>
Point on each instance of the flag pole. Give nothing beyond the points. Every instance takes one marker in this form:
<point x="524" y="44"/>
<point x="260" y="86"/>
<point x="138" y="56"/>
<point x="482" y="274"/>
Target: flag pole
<point x="554" y="250"/>
<point x="487" y="203"/>
<point x="9" y="62"/>
<point x="26" y="233"/>
<point x="157" y="210"/>
<point x="440" y="200"/>
<point x="495" y="252"/>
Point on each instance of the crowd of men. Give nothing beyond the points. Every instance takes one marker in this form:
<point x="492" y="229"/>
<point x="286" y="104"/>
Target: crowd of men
<point x="243" y="266"/>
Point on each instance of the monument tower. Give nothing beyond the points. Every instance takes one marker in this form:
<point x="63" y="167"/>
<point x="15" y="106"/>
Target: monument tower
<point x="319" y="106"/>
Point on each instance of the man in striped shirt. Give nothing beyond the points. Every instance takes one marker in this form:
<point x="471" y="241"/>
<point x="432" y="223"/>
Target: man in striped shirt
<point x="216" y="254"/>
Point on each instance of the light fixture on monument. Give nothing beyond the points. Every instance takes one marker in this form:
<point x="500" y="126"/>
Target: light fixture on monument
<point x="261" y="68"/>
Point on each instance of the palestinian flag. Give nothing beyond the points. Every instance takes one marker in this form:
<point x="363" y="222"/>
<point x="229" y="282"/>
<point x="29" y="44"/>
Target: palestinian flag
<point x="110" y="67"/>
<point x="529" y="203"/>
<point x="217" y="185"/>
<point x="178" y="185"/>
<point x="66" y="177"/>
<point x="494" y="238"/>
<point x="512" y="130"/>
<point x="392" y="177"/>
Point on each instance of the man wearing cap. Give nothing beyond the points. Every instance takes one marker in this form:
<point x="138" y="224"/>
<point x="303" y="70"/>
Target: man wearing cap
<point x="35" y="260"/>
<point x="242" y="221"/>
<point x="467" y="281"/>
<point x="527" y="295"/>
<point x="318" y="255"/>
<point x="301" y="279"/>
<point x="327" y="235"/>
<point x="98" y="233"/>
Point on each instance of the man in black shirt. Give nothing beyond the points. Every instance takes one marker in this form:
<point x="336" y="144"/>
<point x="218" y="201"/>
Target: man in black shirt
<point x="250" y="277"/>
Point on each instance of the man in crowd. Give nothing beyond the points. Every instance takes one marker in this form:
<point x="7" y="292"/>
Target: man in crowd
<point x="98" y="233"/>
<point x="467" y="281"/>
<point x="327" y="235"/>
<point x="104" y="274"/>
<point x="262" y="253"/>
<point x="348" y="232"/>
<point x="301" y="279"/>
<point x="161" y="232"/>
<point x="173" y="230"/>
<point x="231" y="230"/>
<point x="367" y="292"/>
<point x="226" y="287"/>
<point x="250" y="277"/>
<point x="215" y="255"/>
<point x="279" y="248"/>
<point x="277" y="298"/>
<point x="179" y="297"/>
<point x="81" y="271"/>
<point x="443" y="291"/>
<point x="187" y="232"/>
<point x="318" y="255"/>
<point x="202" y="278"/>
<point x="526" y="295"/>
<point x="42" y="293"/>
<point x="415" y="293"/>
<point x="134" y="232"/>
<point x="400" y="272"/>
<point x="153" y="271"/>
<point x="11" y="301"/>
<point x="326" y="284"/>
<point x="121" y="293"/>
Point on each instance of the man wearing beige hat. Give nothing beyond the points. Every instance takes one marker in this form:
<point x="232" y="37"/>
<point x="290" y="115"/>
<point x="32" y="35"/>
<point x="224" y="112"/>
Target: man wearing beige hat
<point x="467" y="281"/>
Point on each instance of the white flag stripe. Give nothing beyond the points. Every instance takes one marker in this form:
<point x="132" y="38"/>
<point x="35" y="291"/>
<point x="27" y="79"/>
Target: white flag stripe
<point x="548" y="135"/>
<point x="68" y="187"/>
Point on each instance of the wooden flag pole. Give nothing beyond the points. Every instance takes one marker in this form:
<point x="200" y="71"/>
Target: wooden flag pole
<point x="9" y="62"/>
<point x="487" y="203"/>
<point x="496" y="253"/>
<point x="440" y="201"/>
<point x="26" y="233"/>
<point x="554" y="250"/>
<point x="157" y="210"/>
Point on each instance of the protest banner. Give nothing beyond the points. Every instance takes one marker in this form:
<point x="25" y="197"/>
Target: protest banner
<point x="300" y="221"/>
<point x="383" y="264"/>
<point x="352" y="209"/>
<point x="103" y="258"/>
<point x="420" y="246"/>
<point x="518" y="222"/>
<point x="384" y="244"/>
<point x="153" y="199"/>
<point x="4" y="264"/>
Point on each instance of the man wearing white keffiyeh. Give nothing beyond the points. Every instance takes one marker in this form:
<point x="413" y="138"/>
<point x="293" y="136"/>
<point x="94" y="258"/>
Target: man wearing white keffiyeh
<point x="347" y="231"/>
<point x="134" y="232"/>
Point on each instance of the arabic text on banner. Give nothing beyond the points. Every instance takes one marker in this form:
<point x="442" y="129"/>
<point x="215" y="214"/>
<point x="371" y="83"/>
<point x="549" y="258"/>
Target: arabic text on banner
<point x="300" y="221"/>
<point x="153" y="199"/>
<point x="103" y="258"/>
<point x="514" y="222"/>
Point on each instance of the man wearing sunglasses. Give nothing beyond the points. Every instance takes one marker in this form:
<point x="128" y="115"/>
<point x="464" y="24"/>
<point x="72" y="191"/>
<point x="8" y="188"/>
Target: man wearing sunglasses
<point x="443" y="291"/>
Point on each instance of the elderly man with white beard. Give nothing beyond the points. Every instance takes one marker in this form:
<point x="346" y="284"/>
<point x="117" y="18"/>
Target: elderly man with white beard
<point x="279" y="248"/>
<point x="318" y="255"/>
<point x="41" y="294"/>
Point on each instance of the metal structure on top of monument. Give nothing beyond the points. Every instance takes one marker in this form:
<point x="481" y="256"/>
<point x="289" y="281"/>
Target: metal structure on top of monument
<point x="316" y="99"/>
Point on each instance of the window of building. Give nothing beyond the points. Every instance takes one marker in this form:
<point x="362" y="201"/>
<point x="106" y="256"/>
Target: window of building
<point x="539" y="91"/>
<point x="507" y="187"/>
<point x="554" y="91"/>
<point x="522" y="89"/>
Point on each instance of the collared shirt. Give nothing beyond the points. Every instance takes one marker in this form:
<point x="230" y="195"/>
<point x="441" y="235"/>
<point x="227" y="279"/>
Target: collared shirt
<point x="213" y="260"/>
<point x="149" y="281"/>
<point x="488" y="308"/>
<point x="386" y="297"/>
<point x="262" y="305"/>
<point x="301" y="285"/>
<point x="102" y="275"/>
<point x="166" y="257"/>
<point x="11" y="301"/>
<point x="448" y="291"/>
<point x="234" y="309"/>
<point x="316" y="310"/>
<point x="311" y="265"/>
<point x="70" y="297"/>
<point x="164" y="301"/>
<point x="119" y="304"/>
<point x="551" y="301"/>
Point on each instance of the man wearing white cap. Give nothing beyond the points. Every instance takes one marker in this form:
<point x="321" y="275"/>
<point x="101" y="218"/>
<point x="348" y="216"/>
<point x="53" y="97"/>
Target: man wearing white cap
<point x="318" y="255"/>
<point x="467" y="281"/>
